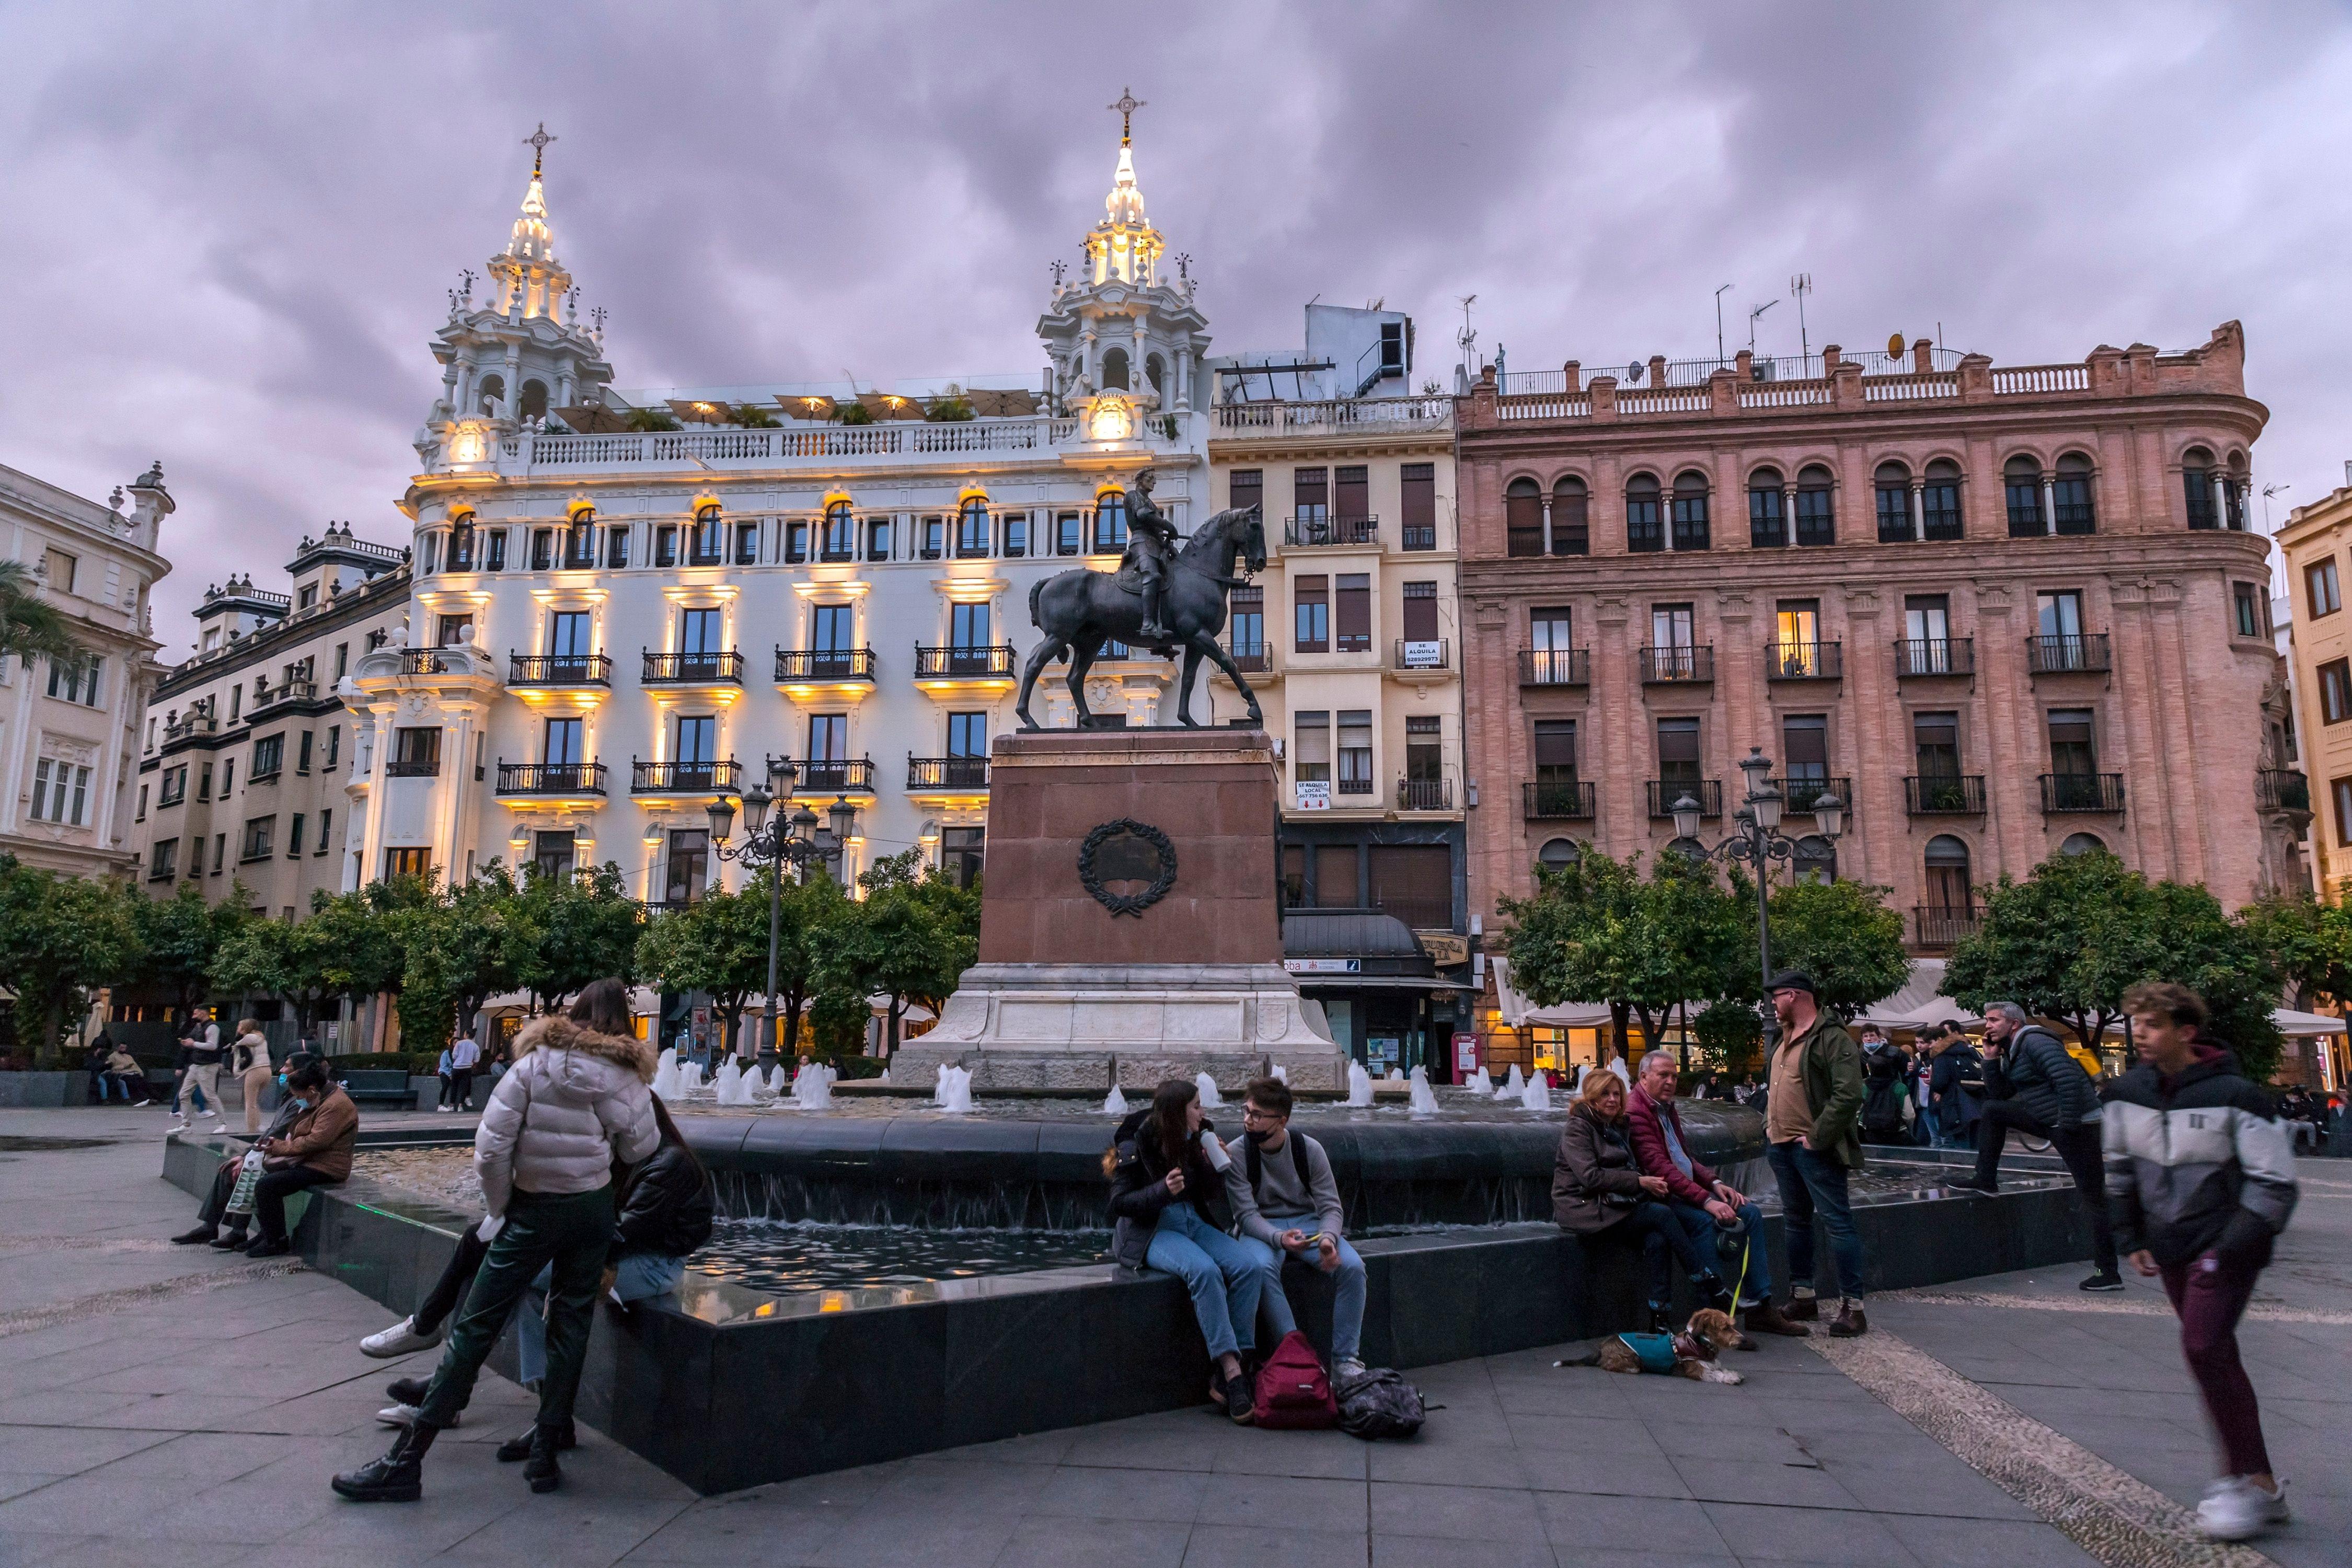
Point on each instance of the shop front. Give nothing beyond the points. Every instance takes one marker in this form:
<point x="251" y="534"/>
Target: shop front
<point x="1379" y="988"/>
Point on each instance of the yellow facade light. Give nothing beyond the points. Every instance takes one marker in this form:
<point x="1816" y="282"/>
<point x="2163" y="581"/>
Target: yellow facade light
<point x="573" y="510"/>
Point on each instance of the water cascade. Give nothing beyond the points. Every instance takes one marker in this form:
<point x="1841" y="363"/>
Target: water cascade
<point x="1424" y="1098"/>
<point x="1115" y="1103"/>
<point x="954" y="1093"/>
<point x="1208" y="1087"/>
<point x="666" y="1082"/>
<point x="1359" y="1084"/>
<point x="812" y="1089"/>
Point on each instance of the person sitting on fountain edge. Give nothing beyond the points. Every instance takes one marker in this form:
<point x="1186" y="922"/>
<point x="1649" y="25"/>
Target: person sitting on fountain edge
<point x="1701" y="1200"/>
<point x="1165" y="1167"/>
<point x="1282" y="1190"/>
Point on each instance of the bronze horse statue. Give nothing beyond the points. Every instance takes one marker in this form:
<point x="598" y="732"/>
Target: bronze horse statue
<point x="1081" y="610"/>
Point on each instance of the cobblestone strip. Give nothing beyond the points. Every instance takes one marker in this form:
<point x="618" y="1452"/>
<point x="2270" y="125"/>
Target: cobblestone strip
<point x="105" y="1302"/>
<point x="2113" y="1516"/>
<point x="2128" y="1309"/>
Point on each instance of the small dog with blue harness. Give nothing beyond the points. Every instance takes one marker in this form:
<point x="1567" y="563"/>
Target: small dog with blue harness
<point x="1690" y="1354"/>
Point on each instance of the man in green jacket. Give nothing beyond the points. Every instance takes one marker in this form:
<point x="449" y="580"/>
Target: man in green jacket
<point x="1813" y="1095"/>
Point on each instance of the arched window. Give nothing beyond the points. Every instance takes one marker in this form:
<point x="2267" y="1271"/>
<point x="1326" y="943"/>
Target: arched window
<point x="461" y="543"/>
<point x="2071" y="492"/>
<point x="1643" y="531"/>
<point x="534" y="400"/>
<point x="1114" y="368"/>
<point x="708" y="546"/>
<point x="971" y="529"/>
<point x="1939" y="504"/>
<point x="2021" y="484"/>
<point x="1767" y="527"/>
<point x="1815" y="860"/>
<point x="840" y="541"/>
<point x="1948" y="875"/>
<point x="580" y="539"/>
<point x="2082" y="844"/>
<point x="1690" y="511"/>
<point x="1523" y="517"/>
<point x="1110" y="522"/>
<point x="490" y="394"/>
<point x="1155" y="371"/>
<point x="1892" y="484"/>
<point x="1816" y="506"/>
<point x="1558" y="854"/>
<point x="1571" y="529"/>
<point x="2196" y="488"/>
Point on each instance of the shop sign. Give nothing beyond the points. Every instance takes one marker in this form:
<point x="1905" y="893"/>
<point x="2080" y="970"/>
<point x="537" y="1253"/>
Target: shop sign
<point x="1314" y="794"/>
<point x="1424" y="656"/>
<point x="1445" y="948"/>
<point x="1324" y="965"/>
<point x="1465" y="1054"/>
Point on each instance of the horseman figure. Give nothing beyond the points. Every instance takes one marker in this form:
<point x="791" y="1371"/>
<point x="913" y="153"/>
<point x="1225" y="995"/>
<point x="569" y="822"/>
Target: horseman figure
<point x="1150" y="550"/>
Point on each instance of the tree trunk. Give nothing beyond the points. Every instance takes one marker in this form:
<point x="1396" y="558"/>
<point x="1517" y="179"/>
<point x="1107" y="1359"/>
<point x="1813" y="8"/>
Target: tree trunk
<point x="1617" y="1011"/>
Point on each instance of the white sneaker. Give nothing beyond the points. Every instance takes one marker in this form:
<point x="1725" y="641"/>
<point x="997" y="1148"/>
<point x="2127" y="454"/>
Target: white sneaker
<point x="218" y="1127"/>
<point x="399" y="1339"/>
<point x="408" y="1416"/>
<point x="179" y="1124"/>
<point x="2236" y="1510"/>
<point x="1347" y="1366"/>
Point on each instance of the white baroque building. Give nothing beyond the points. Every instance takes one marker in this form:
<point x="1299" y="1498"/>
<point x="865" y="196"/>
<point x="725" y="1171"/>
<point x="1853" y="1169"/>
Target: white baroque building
<point x="613" y="623"/>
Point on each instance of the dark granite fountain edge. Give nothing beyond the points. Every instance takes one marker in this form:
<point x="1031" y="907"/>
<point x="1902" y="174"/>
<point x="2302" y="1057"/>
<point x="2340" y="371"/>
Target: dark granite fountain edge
<point x="782" y="1388"/>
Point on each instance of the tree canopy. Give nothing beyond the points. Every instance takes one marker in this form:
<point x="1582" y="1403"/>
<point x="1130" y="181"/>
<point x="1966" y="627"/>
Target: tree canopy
<point x="61" y="938"/>
<point x="1845" y="937"/>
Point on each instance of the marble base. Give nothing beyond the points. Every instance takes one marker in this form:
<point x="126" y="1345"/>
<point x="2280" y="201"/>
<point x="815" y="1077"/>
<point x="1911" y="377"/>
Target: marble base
<point x="1077" y="1026"/>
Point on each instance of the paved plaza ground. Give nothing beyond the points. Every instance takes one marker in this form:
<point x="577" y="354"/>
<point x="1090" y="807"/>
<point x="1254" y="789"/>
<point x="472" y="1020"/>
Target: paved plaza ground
<point x="163" y="1404"/>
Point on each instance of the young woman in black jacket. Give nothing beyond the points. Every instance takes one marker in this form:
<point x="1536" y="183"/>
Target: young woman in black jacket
<point x="1167" y="1199"/>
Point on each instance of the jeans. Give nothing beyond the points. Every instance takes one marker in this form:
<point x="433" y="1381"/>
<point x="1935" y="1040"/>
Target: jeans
<point x="1755" y="1286"/>
<point x="571" y="1230"/>
<point x="271" y="1192"/>
<point x="2210" y="1301"/>
<point x="1223" y="1275"/>
<point x="2078" y="1146"/>
<point x="1655" y="1223"/>
<point x="461" y="1088"/>
<point x="1347" y="1304"/>
<point x="109" y="1082"/>
<point x="1814" y="1184"/>
<point x="641" y="1277"/>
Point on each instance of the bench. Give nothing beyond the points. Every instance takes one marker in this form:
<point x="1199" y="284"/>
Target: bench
<point x="380" y="1086"/>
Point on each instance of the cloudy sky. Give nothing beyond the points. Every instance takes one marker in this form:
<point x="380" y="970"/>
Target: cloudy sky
<point x="227" y="235"/>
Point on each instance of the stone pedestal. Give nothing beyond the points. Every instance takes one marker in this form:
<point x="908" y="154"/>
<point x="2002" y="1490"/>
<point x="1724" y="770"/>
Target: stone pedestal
<point x="1101" y="960"/>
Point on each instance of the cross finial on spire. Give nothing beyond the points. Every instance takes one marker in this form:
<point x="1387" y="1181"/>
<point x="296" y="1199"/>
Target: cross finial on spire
<point x="537" y="141"/>
<point x="1124" y="109"/>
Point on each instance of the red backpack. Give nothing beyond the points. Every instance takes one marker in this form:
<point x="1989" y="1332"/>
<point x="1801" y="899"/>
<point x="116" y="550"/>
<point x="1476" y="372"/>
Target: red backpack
<point x="1294" y="1392"/>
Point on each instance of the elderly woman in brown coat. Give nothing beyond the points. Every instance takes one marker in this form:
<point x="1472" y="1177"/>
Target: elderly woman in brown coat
<point x="1598" y="1189"/>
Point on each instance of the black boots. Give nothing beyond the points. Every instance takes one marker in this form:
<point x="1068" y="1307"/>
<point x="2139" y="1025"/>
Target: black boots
<point x="540" y="1469"/>
<point x="398" y="1476"/>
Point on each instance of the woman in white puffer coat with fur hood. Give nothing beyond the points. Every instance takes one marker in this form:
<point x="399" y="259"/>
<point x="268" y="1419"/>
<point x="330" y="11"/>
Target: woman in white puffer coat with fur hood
<point x="576" y="1101"/>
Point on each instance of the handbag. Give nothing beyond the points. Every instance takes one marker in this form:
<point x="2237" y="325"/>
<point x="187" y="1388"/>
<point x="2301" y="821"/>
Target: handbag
<point x="248" y="1176"/>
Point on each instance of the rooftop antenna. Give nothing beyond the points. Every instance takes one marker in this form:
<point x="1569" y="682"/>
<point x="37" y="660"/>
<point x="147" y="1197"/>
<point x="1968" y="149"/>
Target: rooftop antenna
<point x="1467" y="337"/>
<point x="1801" y="285"/>
<point x="1752" y="322"/>
<point x="1718" y="324"/>
<point x="2268" y="491"/>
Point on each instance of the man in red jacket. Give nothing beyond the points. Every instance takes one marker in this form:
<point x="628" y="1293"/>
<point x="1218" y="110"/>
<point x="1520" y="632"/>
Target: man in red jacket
<point x="1700" y="1200"/>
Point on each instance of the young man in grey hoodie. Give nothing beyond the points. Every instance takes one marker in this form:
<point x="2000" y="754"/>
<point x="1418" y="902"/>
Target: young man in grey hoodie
<point x="1281" y="1189"/>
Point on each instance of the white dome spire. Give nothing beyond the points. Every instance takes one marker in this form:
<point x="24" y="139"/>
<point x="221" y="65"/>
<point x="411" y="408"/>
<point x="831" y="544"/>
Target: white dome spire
<point x="528" y="273"/>
<point x="1124" y="245"/>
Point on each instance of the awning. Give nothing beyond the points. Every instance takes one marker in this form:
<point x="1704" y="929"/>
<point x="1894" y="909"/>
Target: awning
<point x="1520" y="1013"/>
<point x="2291" y="1022"/>
<point x="1378" y="983"/>
<point x="1917" y="1001"/>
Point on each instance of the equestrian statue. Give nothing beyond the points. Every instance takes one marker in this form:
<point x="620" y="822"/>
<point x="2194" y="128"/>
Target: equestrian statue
<point x="1161" y="598"/>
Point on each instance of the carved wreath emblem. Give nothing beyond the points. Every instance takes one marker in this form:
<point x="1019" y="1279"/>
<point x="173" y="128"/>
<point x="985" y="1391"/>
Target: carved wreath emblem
<point x="1127" y="865"/>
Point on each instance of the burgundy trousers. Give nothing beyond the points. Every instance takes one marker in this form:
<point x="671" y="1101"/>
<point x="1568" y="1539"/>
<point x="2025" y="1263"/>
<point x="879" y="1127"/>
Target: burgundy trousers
<point x="2210" y="1296"/>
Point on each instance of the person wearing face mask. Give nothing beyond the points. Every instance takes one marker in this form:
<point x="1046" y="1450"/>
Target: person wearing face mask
<point x="315" y="1151"/>
<point x="214" y="1209"/>
<point x="1283" y="1192"/>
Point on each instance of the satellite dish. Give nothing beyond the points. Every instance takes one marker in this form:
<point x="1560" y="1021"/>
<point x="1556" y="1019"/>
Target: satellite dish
<point x="1634" y="371"/>
<point x="1895" y="345"/>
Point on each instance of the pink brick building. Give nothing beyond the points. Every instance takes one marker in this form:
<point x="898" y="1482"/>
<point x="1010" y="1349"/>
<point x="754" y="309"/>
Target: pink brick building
<point x="1999" y="612"/>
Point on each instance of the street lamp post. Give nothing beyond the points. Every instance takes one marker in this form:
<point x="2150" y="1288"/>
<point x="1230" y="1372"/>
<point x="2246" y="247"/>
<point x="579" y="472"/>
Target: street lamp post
<point x="793" y="838"/>
<point x="1756" y="842"/>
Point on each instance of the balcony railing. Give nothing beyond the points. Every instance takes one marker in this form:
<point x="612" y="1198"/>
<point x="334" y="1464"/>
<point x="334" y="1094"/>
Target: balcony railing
<point x="1359" y="783"/>
<point x="413" y="768"/>
<point x="694" y="669"/>
<point x="1798" y="794"/>
<point x="835" y="776"/>
<point x="1937" y="926"/>
<point x="979" y="661"/>
<point x="195" y="724"/>
<point x="423" y="661"/>
<point x="1661" y="666"/>
<point x="2072" y="655"/>
<point x="1309" y="532"/>
<point x="1944" y="794"/>
<point x="559" y="670"/>
<point x="677" y="778"/>
<point x="935" y="775"/>
<point x="1420" y="536"/>
<point x="1569" y="800"/>
<point x="797" y="664"/>
<point x="1437" y="653"/>
<point x="1804" y="661"/>
<point x="2082" y="791"/>
<point x="550" y="778"/>
<point x="279" y="696"/>
<point x="2282" y="789"/>
<point x="699" y="556"/>
<point x="1935" y="656"/>
<point x="1708" y="792"/>
<point x="1251" y="658"/>
<point x="1555" y="667"/>
<point x="1424" y="794"/>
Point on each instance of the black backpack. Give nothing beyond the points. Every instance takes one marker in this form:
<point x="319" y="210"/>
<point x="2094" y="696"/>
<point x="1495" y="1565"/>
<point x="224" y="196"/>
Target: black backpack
<point x="1379" y="1403"/>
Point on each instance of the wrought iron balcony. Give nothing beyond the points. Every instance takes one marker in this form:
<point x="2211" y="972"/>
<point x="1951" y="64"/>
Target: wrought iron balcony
<point x="1309" y="532"/>
<point x="558" y="670"/>
<point x="1936" y="926"/>
<point x="1944" y="794"/>
<point x="2082" y="791"/>
<point x="1666" y="666"/>
<point x="1804" y="661"/>
<point x="2282" y="789"/>
<point x="1798" y="794"/>
<point x="1424" y="794"/>
<point x="2069" y="655"/>
<point x="1569" y="800"/>
<point x="979" y="661"/>
<point x="939" y="776"/>
<point x="1437" y="653"/>
<point x="413" y="768"/>
<point x="680" y="778"/>
<point x="1555" y="667"/>
<point x="830" y="775"/>
<point x="423" y="661"/>
<point x="1708" y="792"/>
<point x="550" y="778"/>
<point x="795" y="665"/>
<point x="694" y="669"/>
<point x="1917" y="658"/>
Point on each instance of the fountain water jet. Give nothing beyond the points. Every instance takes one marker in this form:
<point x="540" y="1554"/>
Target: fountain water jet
<point x="1481" y="1085"/>
<point x="1424" y="1098"/>
<point x="812" y="1089"/>
<point x="666" y="1081"/>
<point x="1115" y="1104"/>
<point x="1515" y="1087"/>
<point x="1209" y="1099"/>
<point x="1536" y="1096"/>
<point x="1359" y="1084"/>
<point x="954" y="1093"/>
